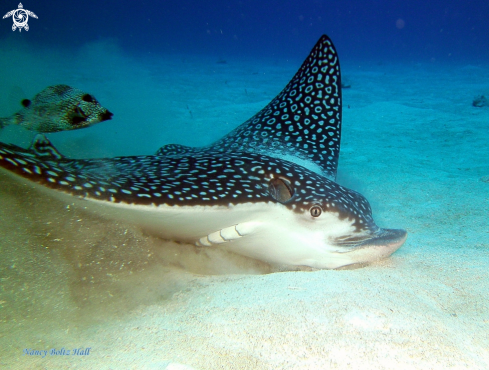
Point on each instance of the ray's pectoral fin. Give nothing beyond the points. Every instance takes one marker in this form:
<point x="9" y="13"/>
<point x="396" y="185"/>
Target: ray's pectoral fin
<point x="302" y="121"/>
<point x="176" y="149"/>
<point x="228" y="234"/>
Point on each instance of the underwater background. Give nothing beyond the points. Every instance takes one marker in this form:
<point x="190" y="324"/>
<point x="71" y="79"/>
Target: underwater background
<point x="188" y="72"/>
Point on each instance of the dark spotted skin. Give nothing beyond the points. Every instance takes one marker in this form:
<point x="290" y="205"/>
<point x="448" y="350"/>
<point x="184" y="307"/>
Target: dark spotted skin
<point x="206" y="178"/>
<point x="303" y="121"/>
<point x="58" y="108"/>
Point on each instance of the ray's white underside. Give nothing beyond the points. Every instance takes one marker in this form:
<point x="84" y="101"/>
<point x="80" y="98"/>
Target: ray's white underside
<point x="266" y="231"/>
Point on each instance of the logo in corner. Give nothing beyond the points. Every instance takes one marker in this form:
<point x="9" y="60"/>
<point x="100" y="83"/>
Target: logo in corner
<point x="20" y="17"/>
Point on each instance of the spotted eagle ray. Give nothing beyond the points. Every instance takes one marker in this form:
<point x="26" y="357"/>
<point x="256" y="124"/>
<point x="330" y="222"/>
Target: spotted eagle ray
<point x="242" y="193"/>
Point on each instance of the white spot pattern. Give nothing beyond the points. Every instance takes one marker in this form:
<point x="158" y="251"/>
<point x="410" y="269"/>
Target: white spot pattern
<point x="303" y="120"/>
<point x="314" y="97"/>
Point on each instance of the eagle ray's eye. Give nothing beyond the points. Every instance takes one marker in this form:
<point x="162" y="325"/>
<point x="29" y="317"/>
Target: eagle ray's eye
<point x="316" y="211"/>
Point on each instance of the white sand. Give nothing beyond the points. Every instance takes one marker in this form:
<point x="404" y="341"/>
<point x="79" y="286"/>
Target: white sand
<point x="412" y="144"/>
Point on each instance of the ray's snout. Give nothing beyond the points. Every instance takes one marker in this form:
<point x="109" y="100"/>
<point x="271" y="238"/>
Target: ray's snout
<point x="387" y="238"/>
<point x="383" y="243"/>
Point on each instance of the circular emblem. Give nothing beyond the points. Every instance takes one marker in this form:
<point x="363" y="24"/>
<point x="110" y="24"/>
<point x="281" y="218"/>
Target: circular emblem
<point x="20" y="18"/>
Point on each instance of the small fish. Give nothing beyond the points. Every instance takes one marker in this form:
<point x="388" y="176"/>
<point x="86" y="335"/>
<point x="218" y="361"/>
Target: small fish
<point x="58" y="108"/>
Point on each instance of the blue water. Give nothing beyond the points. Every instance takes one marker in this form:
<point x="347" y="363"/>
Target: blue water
<point x="179" y="71"/>
<point x="385" y="30"/>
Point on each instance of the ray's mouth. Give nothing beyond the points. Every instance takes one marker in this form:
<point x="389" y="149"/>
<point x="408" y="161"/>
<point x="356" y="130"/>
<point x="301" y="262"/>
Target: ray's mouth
<point x="381" y="244"/>
<point x="388" y="239"/>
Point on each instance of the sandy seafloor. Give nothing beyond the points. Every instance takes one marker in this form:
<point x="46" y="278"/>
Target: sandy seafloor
<point x="412" y="144"/>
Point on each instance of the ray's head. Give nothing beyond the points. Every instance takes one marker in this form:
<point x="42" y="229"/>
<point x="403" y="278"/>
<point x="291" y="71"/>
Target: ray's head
<point x="340" y="220"/>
